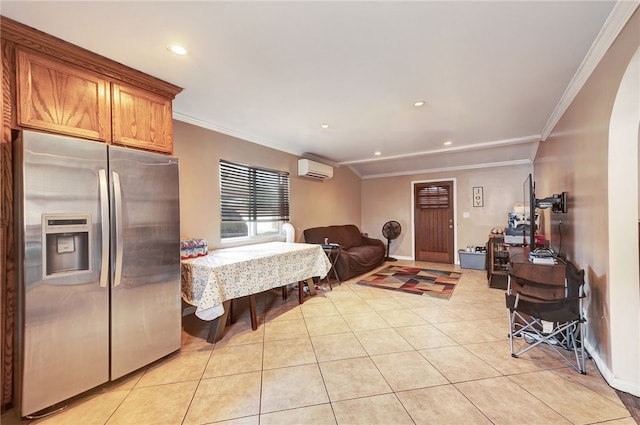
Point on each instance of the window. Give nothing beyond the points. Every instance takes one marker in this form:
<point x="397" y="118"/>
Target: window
<point x="253" y="201"/>
<point x="433" y="196"/>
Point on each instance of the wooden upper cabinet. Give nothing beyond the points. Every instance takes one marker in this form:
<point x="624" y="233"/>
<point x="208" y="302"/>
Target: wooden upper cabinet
<point x="61" y="88"/>
<point x="141" y="119"/>
<point x="56" y="97"/>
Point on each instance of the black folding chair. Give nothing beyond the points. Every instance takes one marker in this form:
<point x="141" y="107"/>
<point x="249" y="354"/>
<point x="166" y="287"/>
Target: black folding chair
<point x="551" y="314"/>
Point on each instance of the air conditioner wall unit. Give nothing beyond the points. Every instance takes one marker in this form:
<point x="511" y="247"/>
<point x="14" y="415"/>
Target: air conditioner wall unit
<point x="315" y="170"/>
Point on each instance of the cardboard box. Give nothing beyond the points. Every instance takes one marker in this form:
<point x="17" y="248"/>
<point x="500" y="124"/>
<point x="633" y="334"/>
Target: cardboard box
<point x="472" y="260"/>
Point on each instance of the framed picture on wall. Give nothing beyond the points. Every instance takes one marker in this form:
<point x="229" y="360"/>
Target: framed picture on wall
<point x="478" y="197"/>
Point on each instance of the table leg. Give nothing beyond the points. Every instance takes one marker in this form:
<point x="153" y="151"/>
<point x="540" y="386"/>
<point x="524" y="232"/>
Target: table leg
<point x="312" y="286"/>
<point x="335" y="273"/>
<point x="328" y="279"/>
<point x="252" y="309"/>
<point x="232" y="317"/>
<point x="300" y="292"/>
<point x="333" y="254"/>
<point x="216" y="329"/>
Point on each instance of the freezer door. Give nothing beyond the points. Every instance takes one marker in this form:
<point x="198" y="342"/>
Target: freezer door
<point x="63" y="312"/>
<point x="145" y="252"/>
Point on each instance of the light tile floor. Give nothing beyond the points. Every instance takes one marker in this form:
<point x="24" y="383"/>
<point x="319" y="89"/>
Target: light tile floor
<point x="356" y="355"/>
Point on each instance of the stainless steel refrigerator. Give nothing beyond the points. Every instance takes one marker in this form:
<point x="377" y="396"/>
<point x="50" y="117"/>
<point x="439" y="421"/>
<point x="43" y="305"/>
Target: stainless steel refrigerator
<point x="98" y="265"/>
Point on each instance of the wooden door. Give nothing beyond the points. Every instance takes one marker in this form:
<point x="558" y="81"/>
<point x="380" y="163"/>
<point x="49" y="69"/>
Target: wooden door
<point x="433" y="221"/>
<point x="142" y="119"/>
<point x="60" y="98"/>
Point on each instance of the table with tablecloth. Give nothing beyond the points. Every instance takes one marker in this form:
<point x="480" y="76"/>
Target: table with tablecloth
<point x="230" y="273"/>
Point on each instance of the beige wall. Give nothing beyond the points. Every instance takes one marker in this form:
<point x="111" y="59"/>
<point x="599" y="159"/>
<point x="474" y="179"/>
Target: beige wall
<point x="389" y="198"/>
<point x="575" y="159"/>
<point x="313" y="203"/>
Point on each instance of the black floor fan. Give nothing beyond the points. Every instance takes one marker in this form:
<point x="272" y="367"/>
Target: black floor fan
<point x="391" y="230"/>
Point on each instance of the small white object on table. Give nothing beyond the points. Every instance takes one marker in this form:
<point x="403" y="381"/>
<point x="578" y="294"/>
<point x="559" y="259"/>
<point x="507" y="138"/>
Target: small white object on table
<point x="229" y="273"/>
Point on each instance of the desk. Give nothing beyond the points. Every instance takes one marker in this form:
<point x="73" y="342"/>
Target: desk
<point x="550" y="274"/>
<point x="521" y="266"/>
<point x="545" y="307"/>
<point x="225" y="274"/>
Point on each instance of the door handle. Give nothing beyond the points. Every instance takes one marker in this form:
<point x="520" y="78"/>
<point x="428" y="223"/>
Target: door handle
<point x="104" y="216"/>
<point x="117" y="219"/>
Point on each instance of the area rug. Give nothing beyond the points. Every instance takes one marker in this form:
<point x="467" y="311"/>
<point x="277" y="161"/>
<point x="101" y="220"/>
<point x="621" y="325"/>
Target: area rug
<point x="413" y="280"/>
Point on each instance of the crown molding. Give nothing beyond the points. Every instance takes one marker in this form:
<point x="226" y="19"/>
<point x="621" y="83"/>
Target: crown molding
<point x="485" y="145"/>
<point x="616" y="21"/>
<point x="455" y="168"/>
<point x="233" y="133"/>
<point x="321" y="159"/>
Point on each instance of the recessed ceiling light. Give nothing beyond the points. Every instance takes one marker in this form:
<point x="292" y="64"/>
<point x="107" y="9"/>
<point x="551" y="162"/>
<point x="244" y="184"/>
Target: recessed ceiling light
<point x="377" y="153"/>
<point x="448" y="142"/>
<point x="419" y="103"/>
<point x="324" y="125"/>
<point x="177" y="49"/>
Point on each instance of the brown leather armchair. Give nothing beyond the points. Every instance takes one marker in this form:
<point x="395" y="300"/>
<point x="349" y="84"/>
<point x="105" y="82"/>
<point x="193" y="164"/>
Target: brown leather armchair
<point x="359" y="254"/>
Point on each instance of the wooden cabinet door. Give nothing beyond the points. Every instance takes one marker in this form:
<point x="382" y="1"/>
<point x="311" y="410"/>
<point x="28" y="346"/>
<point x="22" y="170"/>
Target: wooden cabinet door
<point x="141" y="119"/>
<point x="59" y="98"/>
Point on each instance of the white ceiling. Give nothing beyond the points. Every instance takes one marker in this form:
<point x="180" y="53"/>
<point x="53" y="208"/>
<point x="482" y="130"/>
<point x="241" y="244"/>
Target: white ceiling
<point x="495" y="76"/>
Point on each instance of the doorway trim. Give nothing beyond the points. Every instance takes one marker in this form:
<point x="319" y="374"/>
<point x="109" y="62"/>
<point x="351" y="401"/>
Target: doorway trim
<point x="623" y="208"/>
<point x="454" y="183"/>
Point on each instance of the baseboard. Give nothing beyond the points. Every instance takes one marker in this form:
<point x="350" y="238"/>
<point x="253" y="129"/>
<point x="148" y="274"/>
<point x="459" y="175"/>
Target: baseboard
<point x="402" y="257"/>
<point x="632" y="388"/>
<point x="456" y="262"/>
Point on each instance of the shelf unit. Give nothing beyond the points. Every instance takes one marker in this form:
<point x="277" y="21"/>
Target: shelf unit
<point x="498" y="264"/>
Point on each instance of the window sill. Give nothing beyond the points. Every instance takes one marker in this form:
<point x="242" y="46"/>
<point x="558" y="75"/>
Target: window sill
<point x="250" y="241"/>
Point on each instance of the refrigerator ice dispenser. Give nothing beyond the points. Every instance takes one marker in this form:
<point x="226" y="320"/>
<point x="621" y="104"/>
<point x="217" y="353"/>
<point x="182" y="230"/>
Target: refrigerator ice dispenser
<point x="66" y="238"/>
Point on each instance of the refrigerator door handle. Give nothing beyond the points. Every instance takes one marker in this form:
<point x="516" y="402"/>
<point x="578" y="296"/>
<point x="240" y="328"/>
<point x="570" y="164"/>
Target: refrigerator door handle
<point x="117" y="191"/>
<point x="104" y="216"/>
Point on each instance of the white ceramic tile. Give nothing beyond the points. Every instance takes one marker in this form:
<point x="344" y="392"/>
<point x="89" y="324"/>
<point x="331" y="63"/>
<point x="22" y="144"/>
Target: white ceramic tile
<point x="380" y="409"/>
<point x="292" y="387"/>
<point x="505" y="402"/>
<point x="408" y="370"/>
<point x="353" y="378"/>
<point x="382" y="341"/>
<point x="379" y="356"/>
<point x="224" y="398"/>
